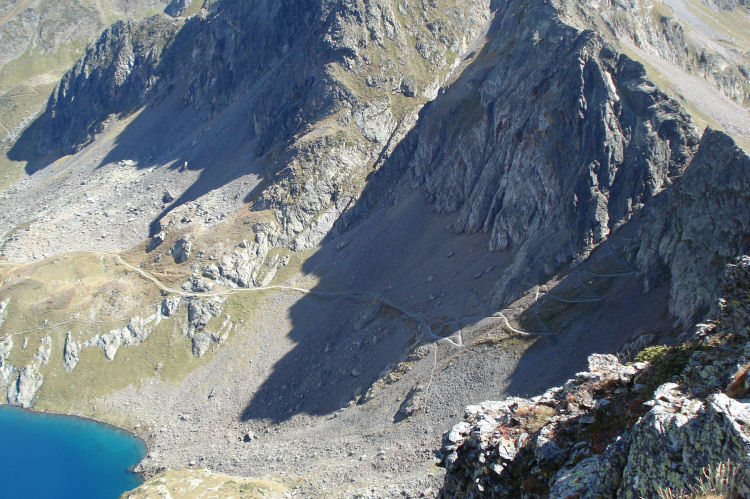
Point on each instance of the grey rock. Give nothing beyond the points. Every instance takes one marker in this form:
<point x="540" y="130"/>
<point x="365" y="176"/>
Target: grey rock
<point x="138" y="331"/>
<point x="200" y="311"/>
<point x="169" y="306"/>
<point x="594" y="476"/>
<point x="176" y="8"/>
<point x="409" y="87"/>
<point x="131" y="52"/>
<point x="3" y="311"/>
<point x="700" y="228"/>
<point x="6" y="370"/>
<point x="211" y="272"/>
<point x="111" y="342"/>
<point x="155" y="241"/>
<point x="45" y="349"/>
<point x="201" y="343"/>
<point x="685" y="430"/>
<point x="70" y="353"/>
<point x="181" y="249"/>
<point x="671" y="446"/>
<point x="22" y="392"/>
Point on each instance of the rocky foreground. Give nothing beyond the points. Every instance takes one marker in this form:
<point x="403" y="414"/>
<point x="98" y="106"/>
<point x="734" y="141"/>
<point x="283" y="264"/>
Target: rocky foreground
<point x="676" y="420"/>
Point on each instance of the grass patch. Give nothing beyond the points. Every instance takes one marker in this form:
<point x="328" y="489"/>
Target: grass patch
<point x="536" y="416"/>
<point x="95" y="376"/>
<point x="196" y="483"/>
<point x="666" y="362"/>
<point x="294" y="267"/>
<point x="506" y="343"/>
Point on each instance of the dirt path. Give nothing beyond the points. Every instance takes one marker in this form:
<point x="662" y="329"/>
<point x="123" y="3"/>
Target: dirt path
<point x="323" y="294"/>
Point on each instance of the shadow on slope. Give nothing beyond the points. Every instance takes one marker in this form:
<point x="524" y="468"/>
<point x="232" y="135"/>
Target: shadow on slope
<point x="411" y="279"/>
<point x="231" y="92"/>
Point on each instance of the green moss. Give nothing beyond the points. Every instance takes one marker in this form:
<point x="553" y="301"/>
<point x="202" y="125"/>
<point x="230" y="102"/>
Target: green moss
<point x="666" y="362"/>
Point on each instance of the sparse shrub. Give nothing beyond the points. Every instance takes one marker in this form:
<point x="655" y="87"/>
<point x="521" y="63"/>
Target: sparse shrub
<point x="536" y="416"/>
<point x="720" y="481"/>
<point x="739" y="385"/>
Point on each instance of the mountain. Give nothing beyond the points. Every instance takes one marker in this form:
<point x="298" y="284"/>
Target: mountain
<point x="293" y="240"/>
<point x="41" y="40"/>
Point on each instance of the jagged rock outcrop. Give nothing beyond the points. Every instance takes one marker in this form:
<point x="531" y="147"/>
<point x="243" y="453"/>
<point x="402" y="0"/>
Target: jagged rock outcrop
<point x="6" y="370"/>
<point x="70" y="353"/>
<point x="200" y="312"/>
<point x="22" y="391"/>
<point x="600" y="436"/>
<point x="133" y="334"/>
<point x="169" y="306"/>
<point x="3" y="311"/>
<point x="549" y="128"/>
<point x="700" y="224"/>
<point x="115" y="74"/>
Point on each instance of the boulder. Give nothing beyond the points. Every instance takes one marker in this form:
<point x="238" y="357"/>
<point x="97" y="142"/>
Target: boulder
<point x="155" y="241"/>
<point x="181" y="249"/>
<point x="169" y="306"/>
<point x="409" y="86"/>
<point x="201" y="344"/>
<point x="70" y="353"/>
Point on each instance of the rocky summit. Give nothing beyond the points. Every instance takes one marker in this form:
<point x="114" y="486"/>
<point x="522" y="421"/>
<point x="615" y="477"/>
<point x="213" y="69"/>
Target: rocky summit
<point x="290" y="243"/>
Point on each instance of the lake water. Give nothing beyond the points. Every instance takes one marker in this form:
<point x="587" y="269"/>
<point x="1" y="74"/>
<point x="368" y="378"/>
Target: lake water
<point x="50" y="456"/>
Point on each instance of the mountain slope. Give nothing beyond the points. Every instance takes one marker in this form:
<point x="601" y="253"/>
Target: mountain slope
<point x="334" y="224"/>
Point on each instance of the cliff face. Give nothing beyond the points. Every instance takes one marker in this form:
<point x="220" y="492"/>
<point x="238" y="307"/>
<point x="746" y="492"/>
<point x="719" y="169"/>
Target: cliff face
<point x="116" y="74"/>
<point x="699" y="225"/>
<point x="350" y="194"/>
<point x="548" y="142"/>
<point x="41" y="40"/>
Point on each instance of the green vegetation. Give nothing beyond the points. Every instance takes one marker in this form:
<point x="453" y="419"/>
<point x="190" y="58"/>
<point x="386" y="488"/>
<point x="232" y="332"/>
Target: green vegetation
<point x="666" y="362"/>
<point x="81" y="293"/>
<point x="536" y="416"/>
<point x="195" y="483"/>
<point x="718" y="481"/>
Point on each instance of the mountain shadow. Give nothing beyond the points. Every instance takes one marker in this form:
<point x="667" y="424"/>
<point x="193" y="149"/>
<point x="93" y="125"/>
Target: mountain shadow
<point x="223" y="94"/>
<point x="545" y="152"/>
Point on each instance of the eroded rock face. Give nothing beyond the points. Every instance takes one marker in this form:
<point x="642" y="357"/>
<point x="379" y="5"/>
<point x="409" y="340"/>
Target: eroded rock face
<point x="702" y="222"/>
<point x="595" y="436"/>
<point x="23" y="390"/>
<point x="6" y="370"/>
<point x="118" y="69"/>
<point x="169" y="306"/>
<point x="549" y="129"/>
<point x="70" y="353"/>
<point x="133" y="334"/>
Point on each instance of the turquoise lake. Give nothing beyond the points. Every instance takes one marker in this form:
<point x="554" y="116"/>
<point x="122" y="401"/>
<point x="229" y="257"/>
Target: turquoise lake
<point x="50" y="456"/>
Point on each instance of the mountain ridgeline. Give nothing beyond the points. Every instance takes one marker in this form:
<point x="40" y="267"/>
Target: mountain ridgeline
<point x="375" y="201"/>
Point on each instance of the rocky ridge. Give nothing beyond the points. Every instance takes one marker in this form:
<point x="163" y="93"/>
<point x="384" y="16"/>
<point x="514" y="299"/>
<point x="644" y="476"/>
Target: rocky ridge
<point x="616" y="430"/>
<point x="671" y="31"/>
<point x="535" y="139"/>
